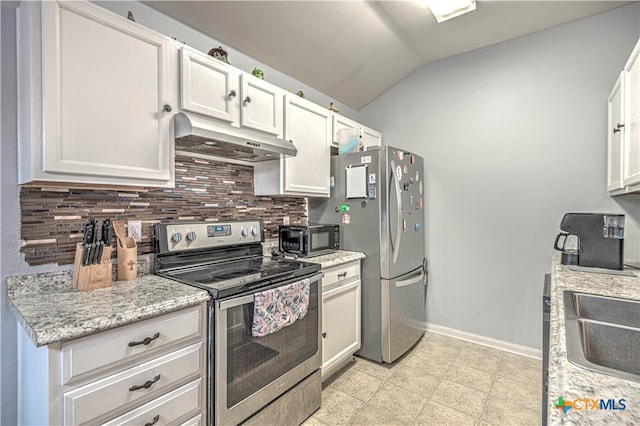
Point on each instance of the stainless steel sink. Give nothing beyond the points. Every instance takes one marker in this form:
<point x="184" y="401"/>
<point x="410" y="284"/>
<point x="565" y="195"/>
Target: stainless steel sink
<point x="607" y="309"/>
<point x="603" y="334"/>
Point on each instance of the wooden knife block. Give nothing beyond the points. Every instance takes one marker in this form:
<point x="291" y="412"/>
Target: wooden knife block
<point x="91" y="277"/>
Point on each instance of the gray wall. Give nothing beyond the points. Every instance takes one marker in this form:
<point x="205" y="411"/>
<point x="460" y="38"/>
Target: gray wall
<point x="513" y="136"/>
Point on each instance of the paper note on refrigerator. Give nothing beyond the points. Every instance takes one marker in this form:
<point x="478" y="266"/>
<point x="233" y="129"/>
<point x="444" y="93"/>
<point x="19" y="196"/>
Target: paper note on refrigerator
<point x="356" y="182"/>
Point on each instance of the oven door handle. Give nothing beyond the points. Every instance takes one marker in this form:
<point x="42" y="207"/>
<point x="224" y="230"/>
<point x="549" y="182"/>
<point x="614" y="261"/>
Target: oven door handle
<point x="232" y="303"/>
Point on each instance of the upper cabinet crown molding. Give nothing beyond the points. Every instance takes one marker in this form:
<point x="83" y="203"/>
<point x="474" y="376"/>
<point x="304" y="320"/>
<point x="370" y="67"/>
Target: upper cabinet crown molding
<point x="96" y="97"/>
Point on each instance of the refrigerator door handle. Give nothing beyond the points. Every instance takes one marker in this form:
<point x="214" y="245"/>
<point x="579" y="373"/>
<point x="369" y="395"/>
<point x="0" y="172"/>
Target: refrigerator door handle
<point x="410" y="281"/>
<point x="396" y="243"/>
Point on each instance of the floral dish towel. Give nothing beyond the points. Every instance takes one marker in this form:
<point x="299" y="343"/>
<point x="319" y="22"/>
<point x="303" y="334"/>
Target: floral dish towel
<point x="279" y="307"/>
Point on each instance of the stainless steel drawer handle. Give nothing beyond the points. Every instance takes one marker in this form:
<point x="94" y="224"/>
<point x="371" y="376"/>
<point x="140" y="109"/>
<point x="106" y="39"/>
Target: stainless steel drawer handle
<point x="154" y="421"/>
<point x="146" y="341"/>
<point x="146" y="385"/>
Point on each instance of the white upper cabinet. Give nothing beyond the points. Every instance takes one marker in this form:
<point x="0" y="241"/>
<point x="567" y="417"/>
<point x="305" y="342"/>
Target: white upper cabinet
<point x="97" y="94"/>
<point x="208" y="87"/>
<point x="371" y="137"/>
<point x="631" y="167"/>
<point x="215" y="89"/>
<point x="616" y="132"/>
<point x="308" y="126"/>
<point x="366" y="136"/>
<point x="623" y="132"/>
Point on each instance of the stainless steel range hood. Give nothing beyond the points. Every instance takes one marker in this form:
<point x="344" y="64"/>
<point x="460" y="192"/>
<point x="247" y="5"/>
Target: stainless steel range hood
<point x="197" y="134"/>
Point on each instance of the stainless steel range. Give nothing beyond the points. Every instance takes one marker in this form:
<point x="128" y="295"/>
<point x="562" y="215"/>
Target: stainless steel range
<point x="270" y="379"/>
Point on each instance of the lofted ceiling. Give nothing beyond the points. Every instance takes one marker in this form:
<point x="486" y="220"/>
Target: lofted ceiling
<point x="354" y="51"/>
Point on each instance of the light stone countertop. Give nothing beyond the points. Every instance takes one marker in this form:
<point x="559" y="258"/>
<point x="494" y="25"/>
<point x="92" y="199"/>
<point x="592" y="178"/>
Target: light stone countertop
<point x="51" y="310"/>
<point x="325" y="261"/>
<point x="572" y="382"/>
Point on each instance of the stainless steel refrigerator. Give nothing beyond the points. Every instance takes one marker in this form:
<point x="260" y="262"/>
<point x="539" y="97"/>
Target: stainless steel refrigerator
<point x="377" y="198"/>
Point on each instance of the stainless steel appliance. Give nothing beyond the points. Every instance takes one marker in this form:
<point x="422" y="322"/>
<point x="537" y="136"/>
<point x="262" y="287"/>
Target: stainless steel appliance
<point x="199" y="134"/>
<point x="248" y="376"/>
<point x="599" y="240"/>
<point x="377" y="197"/>
<point x="308" y="240"/>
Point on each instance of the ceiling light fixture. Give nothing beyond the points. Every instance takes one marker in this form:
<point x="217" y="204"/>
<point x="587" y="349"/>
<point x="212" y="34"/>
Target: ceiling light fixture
<point x="444" y="10"/>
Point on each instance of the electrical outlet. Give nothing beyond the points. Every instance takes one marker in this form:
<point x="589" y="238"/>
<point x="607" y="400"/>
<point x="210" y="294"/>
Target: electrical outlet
<point x="285" y="220"/>
<point x="135" y="230"/>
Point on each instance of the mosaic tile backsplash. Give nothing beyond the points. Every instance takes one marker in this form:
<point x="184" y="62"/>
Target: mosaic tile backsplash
<point x="52" y="217"/>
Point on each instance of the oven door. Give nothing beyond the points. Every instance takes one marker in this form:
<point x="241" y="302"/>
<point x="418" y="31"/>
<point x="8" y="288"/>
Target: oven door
<point x="250" y="372"/>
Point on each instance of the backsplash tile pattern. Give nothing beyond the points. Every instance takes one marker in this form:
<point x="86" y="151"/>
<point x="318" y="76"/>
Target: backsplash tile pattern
<point x="52" y="217"/>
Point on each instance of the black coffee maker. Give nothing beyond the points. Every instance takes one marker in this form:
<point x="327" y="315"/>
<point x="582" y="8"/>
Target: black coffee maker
<point x="595" y="240"/>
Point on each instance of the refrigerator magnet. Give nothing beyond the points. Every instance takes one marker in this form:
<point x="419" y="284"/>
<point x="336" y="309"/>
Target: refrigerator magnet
<point x="400" y="155"/>
<point x="372" y="178"/>
<point x="413" y="159"/>
<point x="399" y="172"/>
<point x="346" y="218"/>
<point x="420" y="202"/>
<point x="332" y="182"/>
<point x="406" y="168"/>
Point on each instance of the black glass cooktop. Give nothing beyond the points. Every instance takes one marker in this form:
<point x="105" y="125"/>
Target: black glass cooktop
<point x="237" y="276"/>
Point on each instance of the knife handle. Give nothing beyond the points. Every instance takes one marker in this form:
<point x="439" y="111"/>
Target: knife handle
<point x="99" y="252"/>
<point x="85" y="254"/>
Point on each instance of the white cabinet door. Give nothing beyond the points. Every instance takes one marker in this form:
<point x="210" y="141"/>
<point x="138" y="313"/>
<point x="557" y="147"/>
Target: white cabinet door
<point x="208" y="86"/>
<point x="106" y="97"/>
<point x="631" y="169"/>
<point x="368" y="136"/>
<point x="308" y="126"/>
<point x="615" y="136"/>
<point x="262" y="105"/>
<point x="340" y="325"/>
<point x="344" y="123"/>
<point x="371" y="137"/>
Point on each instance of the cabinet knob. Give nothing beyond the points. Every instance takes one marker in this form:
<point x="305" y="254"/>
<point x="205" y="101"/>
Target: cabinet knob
<point x="232" y="94"/>
<point x="167" y="108"/>
<point x="618" y="127"/>
<point x="247" y="100"/>
<point x="324" y="335"/>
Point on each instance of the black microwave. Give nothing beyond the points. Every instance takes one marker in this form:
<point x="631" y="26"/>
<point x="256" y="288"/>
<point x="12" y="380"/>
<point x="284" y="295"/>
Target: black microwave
<point x="308" y="240"/>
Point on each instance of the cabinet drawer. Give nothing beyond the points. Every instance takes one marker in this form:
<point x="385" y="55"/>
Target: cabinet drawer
<point x="114" y="392"/>
<point x="98" y="352"/>
<point x="341" y="274"/>
<point x="182" y="403"/>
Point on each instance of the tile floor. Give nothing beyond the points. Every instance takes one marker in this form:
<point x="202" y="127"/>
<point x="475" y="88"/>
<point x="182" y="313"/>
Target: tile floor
<point x="441" y="381"/>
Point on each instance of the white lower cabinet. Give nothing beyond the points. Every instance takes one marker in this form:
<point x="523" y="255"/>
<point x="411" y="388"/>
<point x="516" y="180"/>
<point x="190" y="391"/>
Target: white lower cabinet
<point x="340" y="316"/>
<point x="149" y="372"/>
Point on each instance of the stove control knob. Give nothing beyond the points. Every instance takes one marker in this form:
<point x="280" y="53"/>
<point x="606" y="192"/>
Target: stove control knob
<point x="176" y="237"/>
<point x="254" y="231"/>
<point x="244" y="232"/>
<point x="191" y="236"/>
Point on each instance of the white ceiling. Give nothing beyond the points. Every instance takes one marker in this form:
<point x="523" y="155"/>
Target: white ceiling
<point x="354" y="51"/>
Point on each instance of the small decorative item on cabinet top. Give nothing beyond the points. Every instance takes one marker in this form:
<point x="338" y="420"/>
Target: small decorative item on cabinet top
<point x="332" y="108"/>
<point x="301" y="94"/>
<point x="219" y="53"/>
<point x="258" y="73"/>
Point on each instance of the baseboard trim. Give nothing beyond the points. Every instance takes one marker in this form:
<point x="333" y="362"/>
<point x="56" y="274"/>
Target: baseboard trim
<point x="485" y="341"/>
